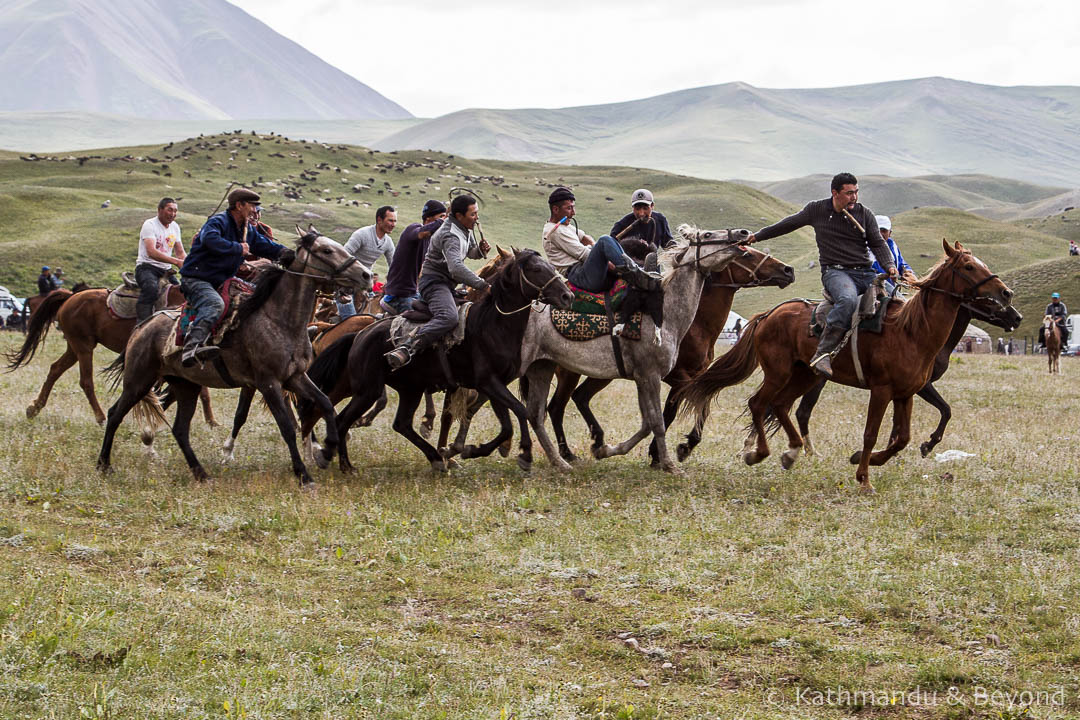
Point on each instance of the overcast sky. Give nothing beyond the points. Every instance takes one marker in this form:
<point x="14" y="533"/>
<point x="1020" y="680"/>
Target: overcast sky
<point x="556" y="54"/>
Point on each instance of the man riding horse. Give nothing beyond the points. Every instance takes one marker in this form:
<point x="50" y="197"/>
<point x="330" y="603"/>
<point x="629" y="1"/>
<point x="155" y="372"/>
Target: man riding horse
<point x="216" y="254"/>
<point x="844" y="230"/>
<point x="1056" y="310"/>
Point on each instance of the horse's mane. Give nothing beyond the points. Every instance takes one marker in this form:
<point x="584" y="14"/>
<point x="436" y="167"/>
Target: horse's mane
<point x="265" y="284"/>
<point x="670" y="256"/>
<point x="913" y="314"/>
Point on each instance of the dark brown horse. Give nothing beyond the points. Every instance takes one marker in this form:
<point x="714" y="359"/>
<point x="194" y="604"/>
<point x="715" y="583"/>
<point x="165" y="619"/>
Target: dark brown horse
<point x="896" y="364"/>
<point x="1007" y="318"/>
<point x="696" y="351"/>
<point x="86" y="322"/>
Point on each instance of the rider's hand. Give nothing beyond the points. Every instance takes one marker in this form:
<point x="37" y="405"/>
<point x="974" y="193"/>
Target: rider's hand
<point x="485" y="246"/>
<point x="910" y="277"/>
<point x="244" y="247"/>
<point x="587" y="240"/>
<point x="611" y="266"/>
<point x="893" y="273"/>
<point x="750" y="240"/>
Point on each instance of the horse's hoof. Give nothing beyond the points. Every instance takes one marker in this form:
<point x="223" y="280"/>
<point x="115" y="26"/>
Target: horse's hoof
<point x="806" y="446"/>
<point x="753" y="457"/>
<point x="104" y="468"/>
<point x="788" y="458"/>
<point x="425" y="429"/>
<point x="925" y="449"/>
<point x="673" y="469"/>
<point x="856" y="457"/>
<point x="504" y="449"/>
<point x="346" y="468"/>
<point x="451" y="463"/>
<point x="32" y="411"/>
<point x="563" y="466"/>
<point x="363" y="422"/>
<point x="524" y="462"/>
<point x="602" y="451"/>
<point x="568" y="456"/>
<point x="439" y="466"/>
<point x="307" y="483"/>
<point x="322" y="459"/>
<point x="200" y="474"/>
<point x="683" y="451"/>
<point x="100" y="420"/>
<point x="866" y="488"/>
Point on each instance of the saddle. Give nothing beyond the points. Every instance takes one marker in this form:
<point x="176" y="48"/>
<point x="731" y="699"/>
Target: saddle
<point x="421" y="313"/>
<point x="403" y="326"/>
<point x="588" y="317"/>
<point x="233" y="292"/>
<point x="122" y="299"/>
<point x="869" y="315"/>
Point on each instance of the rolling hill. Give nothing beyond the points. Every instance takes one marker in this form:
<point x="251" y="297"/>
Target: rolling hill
<point x="200" y="59"/>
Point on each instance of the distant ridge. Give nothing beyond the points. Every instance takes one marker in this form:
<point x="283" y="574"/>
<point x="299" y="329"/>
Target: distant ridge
<point x="168" y="61"/>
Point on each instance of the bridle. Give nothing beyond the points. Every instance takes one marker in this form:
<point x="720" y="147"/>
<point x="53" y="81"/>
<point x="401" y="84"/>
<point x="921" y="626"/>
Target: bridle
<point x="697" y="244"/>
<point x="755" y="281"/>
<point x="972" y="288"/>
<point x="334" y="270"/>
<point x="522" y="282"/>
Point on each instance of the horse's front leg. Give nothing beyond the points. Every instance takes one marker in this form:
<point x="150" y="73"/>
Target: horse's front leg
<point x="901" y="432"/>
<point x="538" y="380"/>
<point x="880" y="397"/>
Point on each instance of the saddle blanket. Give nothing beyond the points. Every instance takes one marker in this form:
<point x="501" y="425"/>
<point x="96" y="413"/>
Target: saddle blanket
<point x="401" y="329"/>
<point x="122" y="299"/>
<point x="872" y="308"/>
<point x="578" y="326"/>
<point x="592" y="303"/>
<point x="232" y="292"/>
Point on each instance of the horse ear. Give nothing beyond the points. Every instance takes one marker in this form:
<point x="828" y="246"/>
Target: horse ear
<point x="299" y="232"/>
<point x="949" y="252"/>
<point x="959" y="247"/>
<point x="311" y="229"/>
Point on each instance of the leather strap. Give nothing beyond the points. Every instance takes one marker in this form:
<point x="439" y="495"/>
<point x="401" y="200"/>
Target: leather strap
<point x="223" y="371"/>
<point x="615" y="345"/>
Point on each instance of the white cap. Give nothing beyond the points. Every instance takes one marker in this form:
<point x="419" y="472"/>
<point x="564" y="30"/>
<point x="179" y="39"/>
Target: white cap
<point x="883" y="222"/>
<point x="641" y="196"/>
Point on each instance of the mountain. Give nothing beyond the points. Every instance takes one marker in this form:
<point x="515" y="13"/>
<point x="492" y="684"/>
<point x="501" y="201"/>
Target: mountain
<point x="903" y="128"/>
<point x="199" y="59"/>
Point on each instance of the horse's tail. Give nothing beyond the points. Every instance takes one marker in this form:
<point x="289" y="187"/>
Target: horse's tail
<point x="327" y="368"/>
<point x="731" y="368"/>
<point x="114" y="374"/>
<point x="149" y="413"/>
<point x="38" y="329"/>
<point x="460" y="402"/>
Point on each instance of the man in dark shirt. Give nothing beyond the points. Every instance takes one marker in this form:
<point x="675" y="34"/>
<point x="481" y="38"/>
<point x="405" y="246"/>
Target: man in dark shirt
<point x="844" y="231"/>
<point x="46" y="283"/>
<point x="400" y="289"/>
<point x="1057" y="310"/>
<point x="643" y="223"/>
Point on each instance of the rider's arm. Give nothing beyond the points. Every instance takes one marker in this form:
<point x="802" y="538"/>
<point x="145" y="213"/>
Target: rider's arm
<point x="154" y="254"/>
<point x="450" y="247"/>
<point x="901" y="263"/>
<point x="261" y="245"/>
<point x="877" y="244"/>
<point x="570" y="242"/>
<point x="211" y="236"/>
<point x="388" y="252"/>
<point x="788" y="224"/>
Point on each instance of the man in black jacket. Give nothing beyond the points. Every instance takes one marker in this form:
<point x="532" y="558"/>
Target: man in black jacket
<point x="643" y="222"/>
<point x="845" y="230"/>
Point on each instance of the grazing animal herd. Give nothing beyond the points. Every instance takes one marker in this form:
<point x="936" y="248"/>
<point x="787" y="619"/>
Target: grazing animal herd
<point x="509" y="335"/>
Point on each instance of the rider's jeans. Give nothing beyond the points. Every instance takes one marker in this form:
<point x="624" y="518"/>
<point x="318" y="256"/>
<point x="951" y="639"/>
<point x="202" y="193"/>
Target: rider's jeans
<point x="592" y="273"/>
<point x="845" y="285"/>
<point x="204" y="298"/>
<point x="147" y="276"/>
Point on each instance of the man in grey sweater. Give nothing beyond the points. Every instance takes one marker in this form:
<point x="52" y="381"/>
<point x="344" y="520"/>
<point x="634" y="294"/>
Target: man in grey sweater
<point x="845" y="231"/>
<point x="443" y="269"/>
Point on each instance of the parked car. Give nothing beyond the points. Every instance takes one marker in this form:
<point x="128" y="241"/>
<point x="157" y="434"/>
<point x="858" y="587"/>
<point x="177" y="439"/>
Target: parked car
<point x="11" y="310"/>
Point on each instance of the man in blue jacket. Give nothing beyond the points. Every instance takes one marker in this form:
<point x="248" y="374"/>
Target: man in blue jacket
<point x="908" y="275"/>
<point x="216" y="254"/>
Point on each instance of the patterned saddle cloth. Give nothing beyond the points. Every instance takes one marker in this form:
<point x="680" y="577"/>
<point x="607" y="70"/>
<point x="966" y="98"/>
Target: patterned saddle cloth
<point x="587" y="317"/>
<point x="233" y="292"/>
<point x="121" y="300"/>
<point x="402" y="328"/>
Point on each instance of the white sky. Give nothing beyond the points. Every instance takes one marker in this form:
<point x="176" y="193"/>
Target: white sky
<point x="557" y="54"/>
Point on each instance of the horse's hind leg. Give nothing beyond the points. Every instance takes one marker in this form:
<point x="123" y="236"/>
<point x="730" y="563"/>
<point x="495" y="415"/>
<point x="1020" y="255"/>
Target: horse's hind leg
<point x="565" y="384"/>
<point x="58" y="368"/>
<point x="207" y="409"/>
<point x="136" y="386"/>
<point x="538" y="382"/>
<point x="86" y="381"/>
<point x="760" y="403"/>
<point x="243" y="406"/>
<point x="187" y="399"/>
<point x="930" y="394"/>
<point x="806" y="408"/>
<point x="369" y="417"/>
<point x="428" y="423"/>
<point x="582" y="396"/>
<point x="802" y="378"/>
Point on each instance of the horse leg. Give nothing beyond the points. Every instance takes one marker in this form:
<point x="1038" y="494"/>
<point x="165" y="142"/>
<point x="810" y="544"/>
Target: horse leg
<point x="879" y="400"/>
<point x="806" y="408"/>
<point x="408" y="401"/>
<point x="565" y="382"/>
<point x="930" y="394"/>
<point x="582" y="396"/>
<point x="428" y="423"/>
<point x="349" y="416"/>
<point x="760" y="403"/>
<point x="901" y="432"/>
<point x="500" y="404"/>
<point x="538" y="380"/>
<point x="86" y="381"/>
<point x="653" y="416"/>
<point x="271" y="393"/>
<point x="802" y="379"/>
<point x="57" y="369"/>
<point x="134" y="391"/>
<point x="369" y="416"/>
<point x="302" y="386"/>
<point x="207" y="410"/>
<point x="187" y="400"/>
<point x="243" y="406"/>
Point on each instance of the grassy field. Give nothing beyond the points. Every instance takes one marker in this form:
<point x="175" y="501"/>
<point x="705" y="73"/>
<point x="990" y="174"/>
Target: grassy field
<point x="613" y="592"/>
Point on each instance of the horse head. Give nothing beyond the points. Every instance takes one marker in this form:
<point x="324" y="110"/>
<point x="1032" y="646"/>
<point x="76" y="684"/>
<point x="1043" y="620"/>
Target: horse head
<point x="754" y="268"/>
<point x="322" y="257"/>
<point x="528" y="276"/>
<point x="966" y="276"/>
<point x="706" y="250"/>
<point x="985" y="310"/>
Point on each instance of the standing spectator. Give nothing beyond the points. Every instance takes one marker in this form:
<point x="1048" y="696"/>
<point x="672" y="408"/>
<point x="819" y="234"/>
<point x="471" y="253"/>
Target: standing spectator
<point x="46" y="283"/>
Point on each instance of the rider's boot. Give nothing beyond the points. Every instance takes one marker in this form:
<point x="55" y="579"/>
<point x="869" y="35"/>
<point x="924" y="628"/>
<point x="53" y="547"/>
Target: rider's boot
<point x="831" y="337"/>
<point x="638" y="277"/>
<point x="195" y="348"/>
<point x="400" y="356"/>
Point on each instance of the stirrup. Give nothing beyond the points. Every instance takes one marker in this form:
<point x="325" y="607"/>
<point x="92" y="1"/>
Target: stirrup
<point x="398" y="358"/>
<point x="822" y="364"/>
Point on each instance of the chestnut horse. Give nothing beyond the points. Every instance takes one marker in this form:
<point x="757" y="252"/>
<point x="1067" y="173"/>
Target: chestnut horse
<point x="896" y="364"/>
<point x="754" y="269"/>
<point x="1053" y="343"/>
<point x="86" y="322"/>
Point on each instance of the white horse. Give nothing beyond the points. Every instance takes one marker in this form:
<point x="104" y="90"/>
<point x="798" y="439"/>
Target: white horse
<point x="695" y="254"/>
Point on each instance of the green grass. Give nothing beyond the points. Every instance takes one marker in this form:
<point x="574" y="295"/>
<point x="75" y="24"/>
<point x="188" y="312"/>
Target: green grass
<point x="399" y="594"/>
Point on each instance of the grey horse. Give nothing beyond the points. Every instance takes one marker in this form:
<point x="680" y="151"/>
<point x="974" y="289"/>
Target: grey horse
<point x="268" y="351"/>
<point x="695" y="254"/>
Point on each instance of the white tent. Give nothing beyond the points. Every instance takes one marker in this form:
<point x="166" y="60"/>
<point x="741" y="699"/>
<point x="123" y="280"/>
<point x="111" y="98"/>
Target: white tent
<point x="975" y="340"/>
<point x="728" y="337"/>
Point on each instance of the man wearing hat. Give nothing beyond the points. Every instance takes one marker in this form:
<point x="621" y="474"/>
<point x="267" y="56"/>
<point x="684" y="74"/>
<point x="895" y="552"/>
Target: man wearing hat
<point x="908" y="275"/>
<point x="46" y="283"/>
<point x="643" y="222"/>
<point x="216" y="253"/>
<point x="581" y="260"/>
<point x="400" y="289"/>
<point x="1057" y="310"/>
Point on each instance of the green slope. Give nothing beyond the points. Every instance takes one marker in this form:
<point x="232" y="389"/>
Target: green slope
<point x="1034" y="283"/>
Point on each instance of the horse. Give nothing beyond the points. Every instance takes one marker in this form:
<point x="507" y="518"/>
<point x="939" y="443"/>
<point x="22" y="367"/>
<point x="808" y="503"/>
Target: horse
<point x="486" y="359"/>
<point x="86" y="321"/>
<point x="1053" y="343"/>
<point x="691" y="258"/>
<point x="696" y="350"/>
<point x="896" y="364"/>
<point x="34" y="301"/>
<point x="268" y="350"/>
<point x="1008" y="318"/>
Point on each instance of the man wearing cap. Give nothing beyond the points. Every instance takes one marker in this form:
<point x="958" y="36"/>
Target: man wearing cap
<point x="400" y="289"/>
<point x="160" y="250"/>
<point x="581" y="260"/>
<point x="46" y="283"/>
<point x="643" y="222"/>
<point x="908" y="275"/>
<point x="216" y="253"/>
<point x="443" y="268"/>
<point x="1057" y="310"/>
<point x="845" y="231"/>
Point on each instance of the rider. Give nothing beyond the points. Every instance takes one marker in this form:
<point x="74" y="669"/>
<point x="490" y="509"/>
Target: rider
<point x="369" y="242"/>
<point x="160" y="250"/>
<point x="908" y="275"/>
<point x="46" y="283"/>
<point x="443" y="268"/>
<point x="584" y="262"/>
<point x="216" y="254"/>
<point x="1057" y="310"/>
<point x="644" y="223"/>
<point x="400" y="289"/>
<point x="844" y="230"/>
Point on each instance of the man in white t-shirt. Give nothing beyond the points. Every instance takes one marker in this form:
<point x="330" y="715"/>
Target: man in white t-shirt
<point x="160" y="249"/>
<point x="367" y="244"/>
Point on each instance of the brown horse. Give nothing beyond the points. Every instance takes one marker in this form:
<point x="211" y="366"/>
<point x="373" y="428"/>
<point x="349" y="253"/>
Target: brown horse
<point x="1053" y="343"/>
<point x="696" y="351"/>
<point x="34" y="302"/>
<point x="896" y="364"/>
<point x="86" y="322"/>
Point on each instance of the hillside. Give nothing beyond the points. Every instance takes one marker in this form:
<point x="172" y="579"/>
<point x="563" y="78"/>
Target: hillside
<point x="887" y="195"/>
<point x="1033" y="285"/>
<point x="735" y="130"/>
<point x="155" y="59"/>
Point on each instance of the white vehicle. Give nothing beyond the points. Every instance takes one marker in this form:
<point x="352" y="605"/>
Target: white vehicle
<point x="11" y="309"/>
<point x="1072" y="324"/>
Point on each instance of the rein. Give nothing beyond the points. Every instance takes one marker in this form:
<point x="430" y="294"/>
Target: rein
<point x="697" y="244"/>
<point x="522" y="282"/>
<point x="335" y="270"/>
<point x="972" y="286"/>
<point x="755" y="281"/>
